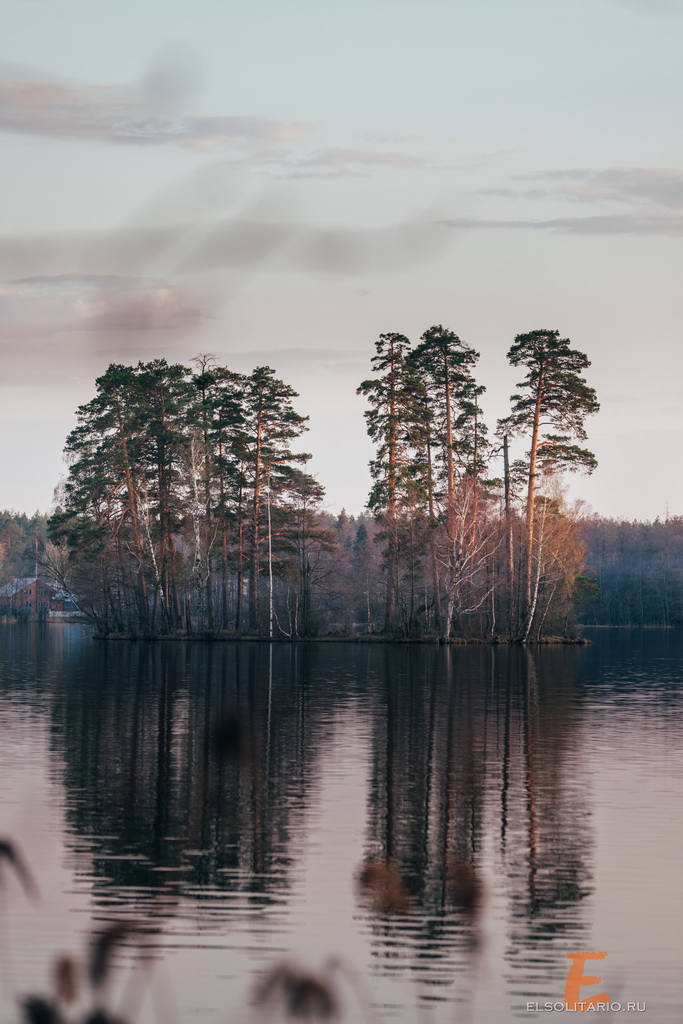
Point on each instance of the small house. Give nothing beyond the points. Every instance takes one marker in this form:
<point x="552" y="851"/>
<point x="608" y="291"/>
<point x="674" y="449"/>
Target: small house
<point x="26" y="595"/>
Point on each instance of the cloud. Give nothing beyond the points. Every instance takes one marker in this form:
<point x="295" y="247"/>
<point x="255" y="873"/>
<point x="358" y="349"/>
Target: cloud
<point x="43" y="306"/>
<point x="389" y="138"/>
<point x="661" y="186"/>
<point x="239" y="244"/>
<point x="148" y="113"/>
<point x="245" y="244"/>
<point x="650" y="6"/>
<point x="154" y="112"/>
<point x="339" y="160"/>
<point x="608" y="224"/>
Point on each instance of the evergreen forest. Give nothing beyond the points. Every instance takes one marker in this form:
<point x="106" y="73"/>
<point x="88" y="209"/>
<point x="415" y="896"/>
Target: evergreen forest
<point x="188" y="507"/>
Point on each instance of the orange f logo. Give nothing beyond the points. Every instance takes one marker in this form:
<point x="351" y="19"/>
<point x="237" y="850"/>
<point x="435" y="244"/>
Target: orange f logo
<point x="576" y="979"/>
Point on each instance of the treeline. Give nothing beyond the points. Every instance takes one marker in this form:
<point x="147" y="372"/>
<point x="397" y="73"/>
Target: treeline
<point x="465" y="552"/>
<point x="22" y="544"/>
<point x="637" y="573"/>
<point x="633" y="574"/>
<point x="185" y="501"/>
<point x="187" y="505"/>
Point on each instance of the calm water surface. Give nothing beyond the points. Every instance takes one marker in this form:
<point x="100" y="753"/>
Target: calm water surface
<point x="557" y="772"/>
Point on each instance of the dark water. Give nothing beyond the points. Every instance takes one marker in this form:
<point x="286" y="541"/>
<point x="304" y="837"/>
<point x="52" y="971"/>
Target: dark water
<point x="556" y="772"/>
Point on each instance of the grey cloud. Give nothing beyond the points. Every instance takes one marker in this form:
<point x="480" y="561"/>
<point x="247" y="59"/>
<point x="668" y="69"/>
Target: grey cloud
<point x="43" y="306"/>
<point x="615" y="224"/>
<point x="248" y="245"/>
<point x="389" y="138"/>
<point x="145" y="114"/>
<point x="650" y="6"/>
<point x="172" y="81"/>
<point x="513" y="193"/>
<point x="565" y="172"/>
<point x="239" y="244"/>
<point x="384" y="250"/>
<point x="102" y="253"/>
<point x="342" y="160"/>
<point x="662" y="186"/>
<point x="245" y="244"/>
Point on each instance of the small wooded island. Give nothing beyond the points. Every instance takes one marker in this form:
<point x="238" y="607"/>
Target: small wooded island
<point x="188" y="511"/>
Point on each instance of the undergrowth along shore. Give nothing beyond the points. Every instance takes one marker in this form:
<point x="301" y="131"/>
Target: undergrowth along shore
<point x="221" y="636"/>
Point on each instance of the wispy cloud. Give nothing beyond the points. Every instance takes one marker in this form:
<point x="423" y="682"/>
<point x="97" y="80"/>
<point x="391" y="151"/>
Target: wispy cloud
<point x="390" y="138"/>
<point x="608" y="224"/>
<point x="335" y="161"/>
<point x="239" y="244"/>
<point x="43" y="306"/>
<point x="650" y="6"/>
<point x="154" y="112"/>
<point x="150" y="112"/>
<point x="662" y="186"/>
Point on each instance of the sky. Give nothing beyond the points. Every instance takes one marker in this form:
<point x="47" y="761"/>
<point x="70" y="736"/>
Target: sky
<point x="278" y="182"/>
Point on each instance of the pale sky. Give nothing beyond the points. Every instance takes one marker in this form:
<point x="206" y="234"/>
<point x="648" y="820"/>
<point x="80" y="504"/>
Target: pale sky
<point x="279" y="182"/>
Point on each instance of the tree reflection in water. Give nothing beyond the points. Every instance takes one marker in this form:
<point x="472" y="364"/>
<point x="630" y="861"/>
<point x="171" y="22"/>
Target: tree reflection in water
<point x="192" y="768"/>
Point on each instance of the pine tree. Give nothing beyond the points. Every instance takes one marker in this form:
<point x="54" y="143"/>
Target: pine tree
<point x="102" y="496"/>
<point x="444" y="364"/>
<point x="219" y="413"/>
<point x="304" y="538"/>
<point x="164" y="395"/>
<point x="458" y="435"/>
<point x="551" y="404"/>
<point x="271" y="425"/>
<point x="396" y="403"/>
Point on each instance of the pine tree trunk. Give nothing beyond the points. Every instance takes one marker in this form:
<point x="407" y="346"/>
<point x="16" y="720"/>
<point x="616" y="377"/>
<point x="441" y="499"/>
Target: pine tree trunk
<point x="531" y="491"/>
<point x="392" y="567"/>
<point x="255" y="539"/>
<point x="240" y="574"/>
<point x="270" y="566"/>
<point x="509" y="550"/>
<point x="134" y="520"/>
<point x="208" y="513"/>
<point x="436" y="581"/>
<point x="449" y="449"/>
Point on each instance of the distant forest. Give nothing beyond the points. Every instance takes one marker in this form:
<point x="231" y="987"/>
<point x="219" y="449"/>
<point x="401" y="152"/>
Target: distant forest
<point x="188" y="509"/>
<point x="634" y="570"/>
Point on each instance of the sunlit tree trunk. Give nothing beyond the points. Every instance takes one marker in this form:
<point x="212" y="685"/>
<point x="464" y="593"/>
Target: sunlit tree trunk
<point x="531" y="489"/>
<point x="509" y="543"/>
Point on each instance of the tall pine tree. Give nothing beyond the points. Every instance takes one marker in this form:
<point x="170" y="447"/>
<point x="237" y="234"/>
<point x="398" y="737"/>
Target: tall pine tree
<point x="445" y="366"/>
<point x="271" y="425"/>
<point x="550" y="405"/>
<point x="396" y="409"/>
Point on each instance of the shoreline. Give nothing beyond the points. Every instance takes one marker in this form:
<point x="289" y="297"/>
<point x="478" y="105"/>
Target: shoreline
<point x="602" y="625"/>
<point x="218" y="637"/>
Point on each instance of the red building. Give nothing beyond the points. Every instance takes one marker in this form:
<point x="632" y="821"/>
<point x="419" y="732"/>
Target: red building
<point x="26" y="595"/>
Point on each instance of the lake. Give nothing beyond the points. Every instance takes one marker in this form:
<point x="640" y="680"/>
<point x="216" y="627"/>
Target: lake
<point x="556" y="772"/>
